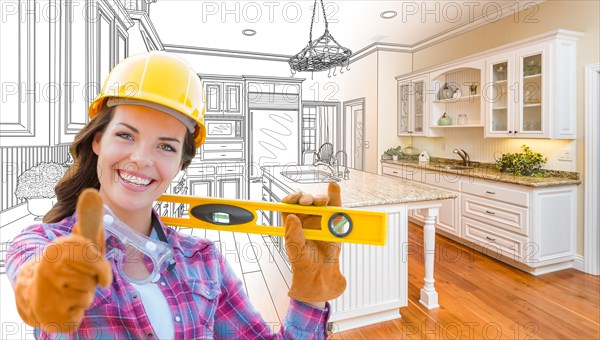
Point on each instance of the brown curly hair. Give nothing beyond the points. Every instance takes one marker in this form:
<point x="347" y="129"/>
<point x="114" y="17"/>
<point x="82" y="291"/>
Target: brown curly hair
<point x="83" y="173"/>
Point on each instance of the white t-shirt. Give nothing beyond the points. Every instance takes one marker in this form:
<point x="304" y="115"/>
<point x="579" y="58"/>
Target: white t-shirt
<point x="157" y="308"/>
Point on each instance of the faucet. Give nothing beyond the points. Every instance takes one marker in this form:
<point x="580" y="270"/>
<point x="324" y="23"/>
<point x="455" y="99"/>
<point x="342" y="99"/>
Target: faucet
<point x="346" y="173"/>
<point x="464" y="155"/>
<point x="334" y="165"/>
<point x="329" y="166"/>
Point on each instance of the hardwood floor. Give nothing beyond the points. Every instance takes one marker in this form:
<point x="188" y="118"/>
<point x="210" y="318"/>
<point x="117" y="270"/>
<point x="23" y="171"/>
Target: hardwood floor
<point x="480" y="297"/>
<point x="483" y="298"/>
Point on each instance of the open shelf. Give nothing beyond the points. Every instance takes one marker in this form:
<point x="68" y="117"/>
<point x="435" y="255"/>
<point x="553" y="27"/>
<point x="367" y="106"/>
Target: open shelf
<point x="457" y="126"/>
<point x="473" y="98"/>
<point x="532" y="104"/>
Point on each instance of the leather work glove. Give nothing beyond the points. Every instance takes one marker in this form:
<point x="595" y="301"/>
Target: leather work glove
<point x="316" y="273"/>
<point x="53" y="292"/>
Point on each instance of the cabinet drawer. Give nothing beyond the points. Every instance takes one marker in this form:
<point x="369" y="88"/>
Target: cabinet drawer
<point x="222" y="156"/>
<point x="441" y="179"/>
<point x="496" y="192"/>
<point x="233" y="169"/>
<point x="436" y="178"/>
<point x="393" y="171"/>
<point x="236" y="146"/>
<point x="201" y="171"/>
<point x="493" y="241"/>
<point x="508" y="217"/>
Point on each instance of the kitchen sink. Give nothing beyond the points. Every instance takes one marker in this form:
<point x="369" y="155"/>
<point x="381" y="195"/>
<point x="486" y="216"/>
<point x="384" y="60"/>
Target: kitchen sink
<point x="453" y="167"/>
<point x="309" y="176"/>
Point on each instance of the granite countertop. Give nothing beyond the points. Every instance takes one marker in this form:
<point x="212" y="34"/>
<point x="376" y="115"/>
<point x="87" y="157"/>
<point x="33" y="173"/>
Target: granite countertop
<point x="361" y="189"/>
<point x="487" y="171"/>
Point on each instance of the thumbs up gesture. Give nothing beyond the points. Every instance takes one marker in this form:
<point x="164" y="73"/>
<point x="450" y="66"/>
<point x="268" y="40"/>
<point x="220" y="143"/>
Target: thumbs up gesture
<point x="53" y="292"/>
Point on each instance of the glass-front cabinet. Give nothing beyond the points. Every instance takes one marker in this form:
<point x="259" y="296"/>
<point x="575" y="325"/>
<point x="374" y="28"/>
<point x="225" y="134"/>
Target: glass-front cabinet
<point x="532" y="103"/>
<point x="498" y="97"/>
<point x="412" y="106"/>
<point x="516" y="94"/>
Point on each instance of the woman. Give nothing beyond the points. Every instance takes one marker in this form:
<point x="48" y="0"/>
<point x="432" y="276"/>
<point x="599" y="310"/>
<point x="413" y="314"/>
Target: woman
<point x="145" y="127"/>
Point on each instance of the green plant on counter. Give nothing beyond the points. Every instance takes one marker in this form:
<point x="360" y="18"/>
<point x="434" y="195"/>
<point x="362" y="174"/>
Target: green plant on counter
<point x="526" y="163"/>
<point x="394" y="151"/>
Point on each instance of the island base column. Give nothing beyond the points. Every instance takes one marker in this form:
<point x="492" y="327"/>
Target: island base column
<point x="429" y="296"/>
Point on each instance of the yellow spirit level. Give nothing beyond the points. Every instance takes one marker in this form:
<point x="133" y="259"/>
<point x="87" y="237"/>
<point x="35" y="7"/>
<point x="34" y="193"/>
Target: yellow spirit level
<point x="337" y="224"/>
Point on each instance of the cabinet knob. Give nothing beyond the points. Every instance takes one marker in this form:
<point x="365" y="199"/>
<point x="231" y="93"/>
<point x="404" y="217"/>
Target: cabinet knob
<point x="490" y="212"/>
<point x="490" y="192"/>
<point x="509" y="131"/>
<point x="516" y="131"/>
<point x="490" y="238"/>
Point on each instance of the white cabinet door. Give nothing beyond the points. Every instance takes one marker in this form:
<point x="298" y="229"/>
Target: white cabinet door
<point x="447" y="220"/>
<point x="531" y="117"/>
<point x="213" y="92"/>
<point x="229" y="187"/>
<point x="233" y="98"/>
<point x="202" y="187"/>
<point x="413" y="106"/>
<point x="499" y="92"/>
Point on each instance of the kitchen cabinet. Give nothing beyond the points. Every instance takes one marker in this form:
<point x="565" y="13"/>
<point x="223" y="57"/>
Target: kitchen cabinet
<point x="202" y="187"/>
<point x="224" y="95"/>
<point x="530" y="89"/>
<point x="229" y="187"/>
<point x="217" y="180"/>
<point x="222" y="151"/>
<point x="447" y="220"/>
<point x="526" y="89"/>
<point x="412" y="106"/>
<point x="531" y="228"/>
<point x="534" y="227"/>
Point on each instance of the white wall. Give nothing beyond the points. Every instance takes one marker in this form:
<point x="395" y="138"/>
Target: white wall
<point x="391" y="64"/>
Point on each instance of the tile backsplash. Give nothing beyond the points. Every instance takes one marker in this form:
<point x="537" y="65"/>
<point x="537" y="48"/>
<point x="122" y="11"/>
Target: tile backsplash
<point x="483" y="149"/>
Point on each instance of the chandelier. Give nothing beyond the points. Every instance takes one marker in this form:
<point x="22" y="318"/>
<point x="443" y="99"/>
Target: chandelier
<point x="321" y="54"/>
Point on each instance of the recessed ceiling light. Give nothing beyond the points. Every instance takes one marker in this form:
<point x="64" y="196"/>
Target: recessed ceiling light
<point x="248" y="32"/>
<point x="388" y="14"/>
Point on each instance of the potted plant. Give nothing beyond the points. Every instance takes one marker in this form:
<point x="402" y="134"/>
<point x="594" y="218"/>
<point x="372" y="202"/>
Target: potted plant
<point x="473" y="88"/>
<point x="526" y="163"/>
<point x="36" y="185"/>
<point x="394" y="152"/>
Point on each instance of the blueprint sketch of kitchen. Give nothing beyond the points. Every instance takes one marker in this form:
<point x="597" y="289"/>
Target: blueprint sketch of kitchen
<point x="56" y="54"/>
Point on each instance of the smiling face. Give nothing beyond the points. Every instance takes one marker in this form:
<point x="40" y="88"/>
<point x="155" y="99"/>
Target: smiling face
<point x="139" y="154"/>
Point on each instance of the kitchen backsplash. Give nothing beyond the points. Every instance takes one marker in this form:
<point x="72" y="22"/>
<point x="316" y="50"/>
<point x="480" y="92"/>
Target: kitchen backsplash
<point x="483" y="149"/>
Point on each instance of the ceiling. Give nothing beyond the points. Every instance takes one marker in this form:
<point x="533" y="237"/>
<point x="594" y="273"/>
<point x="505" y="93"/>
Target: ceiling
<point x="282" y="27"/>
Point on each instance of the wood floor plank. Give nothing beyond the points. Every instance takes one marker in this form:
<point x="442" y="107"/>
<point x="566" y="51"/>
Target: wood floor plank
<point x="277" y="285"/>
<point x="257" y="291"/>
<point x="247" y="253"/>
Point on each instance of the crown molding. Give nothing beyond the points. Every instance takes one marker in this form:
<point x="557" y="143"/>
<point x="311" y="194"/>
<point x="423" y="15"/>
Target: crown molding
<point x="226" y="53"/>
<point x="148" y="27"/>
<point x="505" y="11"/>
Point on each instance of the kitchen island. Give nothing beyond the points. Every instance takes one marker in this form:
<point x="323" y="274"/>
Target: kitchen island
<point x="377" y="276"/>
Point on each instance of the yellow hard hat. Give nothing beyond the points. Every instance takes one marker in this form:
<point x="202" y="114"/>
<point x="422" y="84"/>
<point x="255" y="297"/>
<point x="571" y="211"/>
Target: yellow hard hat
<point x="160" y="80"/>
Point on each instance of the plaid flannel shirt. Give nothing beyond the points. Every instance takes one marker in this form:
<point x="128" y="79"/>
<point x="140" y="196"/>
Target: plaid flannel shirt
<point x="205" y="297"/>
